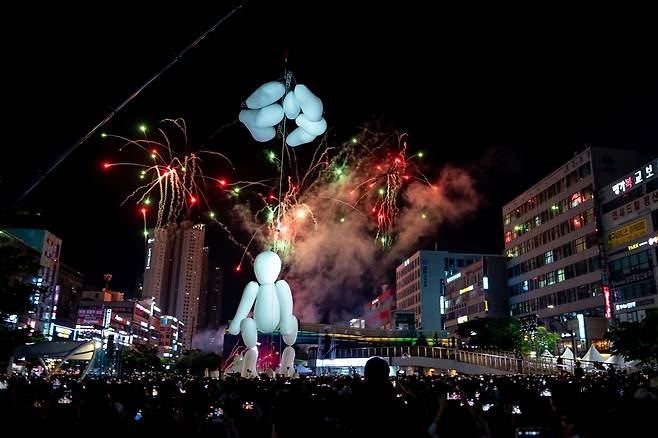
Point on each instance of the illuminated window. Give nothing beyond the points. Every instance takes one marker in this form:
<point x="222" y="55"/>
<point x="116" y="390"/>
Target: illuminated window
<point x="560" y="275"/>
<point x="548" y="257"/>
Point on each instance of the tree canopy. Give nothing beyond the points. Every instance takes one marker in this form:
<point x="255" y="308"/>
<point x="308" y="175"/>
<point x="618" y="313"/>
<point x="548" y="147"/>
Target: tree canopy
<point x="636" y="340"/>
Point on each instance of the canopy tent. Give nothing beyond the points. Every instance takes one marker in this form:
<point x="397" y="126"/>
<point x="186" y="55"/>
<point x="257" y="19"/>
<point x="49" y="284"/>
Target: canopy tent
<point x="63" y="350"/>
<point x="546" y="353"/>
<point x="616" y="360"/>
<point x="592" y="355"/>
<point x="301" y="369"/>
<point x="568" y="354"/>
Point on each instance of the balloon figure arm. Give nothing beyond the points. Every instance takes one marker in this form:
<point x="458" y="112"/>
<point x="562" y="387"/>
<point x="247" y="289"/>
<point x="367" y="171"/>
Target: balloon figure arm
<point x="285" y="306"/>
<point x="246" y="303"/>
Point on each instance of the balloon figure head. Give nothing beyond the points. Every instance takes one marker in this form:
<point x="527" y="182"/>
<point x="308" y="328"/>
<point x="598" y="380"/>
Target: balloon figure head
<point x="267" y="267"/>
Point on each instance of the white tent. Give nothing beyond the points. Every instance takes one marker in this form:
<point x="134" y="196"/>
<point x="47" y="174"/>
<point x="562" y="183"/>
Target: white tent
<point x="62" y="350"/>
<point x="547" y="353"/>
<point x="593" y="355"/>
<point x="616" y="360"/>
<point x="568" y="354"/>
<point x="301" y="369"/>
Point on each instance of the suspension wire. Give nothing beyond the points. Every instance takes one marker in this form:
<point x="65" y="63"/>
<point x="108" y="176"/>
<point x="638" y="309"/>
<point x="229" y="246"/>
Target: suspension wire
<point x="288" y="78"/>
<point x="127" y="101"/>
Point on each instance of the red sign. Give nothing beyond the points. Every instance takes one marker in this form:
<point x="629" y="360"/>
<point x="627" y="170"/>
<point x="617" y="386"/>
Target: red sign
<point x="608" y="306"/>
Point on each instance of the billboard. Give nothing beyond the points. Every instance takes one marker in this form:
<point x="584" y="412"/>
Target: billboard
<point x="627" y="233"/>
<point x="90" y="315"/>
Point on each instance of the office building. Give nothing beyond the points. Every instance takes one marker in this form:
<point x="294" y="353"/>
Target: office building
<point x="553" y="241"/>
<point x="47" y="247"/>
<point x="419" y="283"/>
<point x="70" y="283"/>
<point x="378" y="313"/>
<point x="629" y="214"/>
<point x="478" y="290"/>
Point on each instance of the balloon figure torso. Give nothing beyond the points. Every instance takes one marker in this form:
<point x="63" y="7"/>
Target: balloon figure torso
<point x="272" y="310"/>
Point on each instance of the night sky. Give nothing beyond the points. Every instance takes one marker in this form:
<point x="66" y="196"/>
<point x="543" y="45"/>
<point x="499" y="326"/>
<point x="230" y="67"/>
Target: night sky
<point x="525" y="94"/>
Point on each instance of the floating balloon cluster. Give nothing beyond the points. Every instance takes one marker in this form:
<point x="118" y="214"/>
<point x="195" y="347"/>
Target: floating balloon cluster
<point x="265" y="112"/>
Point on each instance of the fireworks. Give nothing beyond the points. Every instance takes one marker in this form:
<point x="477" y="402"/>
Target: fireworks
<point x="172" y="183"/>
<point x="358" y="183"/>
<point x="339" y="215"/>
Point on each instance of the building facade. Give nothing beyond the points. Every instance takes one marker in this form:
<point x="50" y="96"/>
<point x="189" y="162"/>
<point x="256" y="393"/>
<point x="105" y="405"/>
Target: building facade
<point x="70" y="284"/>
<point x="554" y="244"/>
<point x="173" y="273"/>
<point x="104" y="316"/>
<point x="48" y="248"/>
<point x="419" y="282"/>
<point x="629" y="213"/>
<point x="476" y="291"/>
<point x="379" y="313"/>
<point x="170" y="327"/>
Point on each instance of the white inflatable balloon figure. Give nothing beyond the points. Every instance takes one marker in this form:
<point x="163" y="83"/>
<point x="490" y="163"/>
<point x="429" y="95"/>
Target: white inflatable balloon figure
<point x="272" y="309"/>
<point x="265" y="112"/>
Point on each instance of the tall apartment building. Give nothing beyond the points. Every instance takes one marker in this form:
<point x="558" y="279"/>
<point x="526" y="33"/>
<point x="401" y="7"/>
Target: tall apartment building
<point x="173" y="271"/>
<point x="629" y="213"/>
<point x="419" y="283"/>
<point x="553" y="241"/>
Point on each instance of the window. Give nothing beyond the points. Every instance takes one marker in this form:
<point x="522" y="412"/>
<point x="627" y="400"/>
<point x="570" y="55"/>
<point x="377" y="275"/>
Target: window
<point x="560" y="275"/>
<point x="548" y="257"/>
<point x="575" y="200"/>
<point x="580" y="267"/>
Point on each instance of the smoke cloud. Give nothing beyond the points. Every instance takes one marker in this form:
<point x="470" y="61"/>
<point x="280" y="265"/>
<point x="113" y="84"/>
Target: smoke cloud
<point x="337" y="260"/>
<point x="209" y="341"/>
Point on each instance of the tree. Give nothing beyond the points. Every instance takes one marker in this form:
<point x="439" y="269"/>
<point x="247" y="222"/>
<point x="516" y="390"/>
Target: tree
<point x="196" y="362"/>
<point x="636" y="340"/>
<point x="540" y="340"/>
<point x="497" y="333"/>
<point x="421" y="341"/>
<point x="141" y="358"/>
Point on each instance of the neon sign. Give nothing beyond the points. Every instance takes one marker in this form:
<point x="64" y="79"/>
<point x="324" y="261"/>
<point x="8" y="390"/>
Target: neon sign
<point x="466" y="289"/>
<point x="625" y="306"/>
<point x="608" y="306"/>
<point x="651" y="241"/>
<point x="643" y="174"/>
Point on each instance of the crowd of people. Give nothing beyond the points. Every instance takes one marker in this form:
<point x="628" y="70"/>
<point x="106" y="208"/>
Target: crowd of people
<point x="443" y="406"/>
